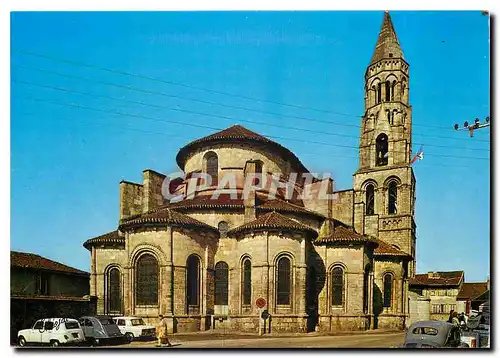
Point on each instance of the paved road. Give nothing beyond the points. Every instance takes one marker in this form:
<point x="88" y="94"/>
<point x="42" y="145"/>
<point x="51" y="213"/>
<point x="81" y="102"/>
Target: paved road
<point x="368" y="340"/>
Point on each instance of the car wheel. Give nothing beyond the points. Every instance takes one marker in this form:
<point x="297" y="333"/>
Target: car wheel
<point x="54" y="343"/>
<point x="129" y="337"/>
<point x="22" y="341"/>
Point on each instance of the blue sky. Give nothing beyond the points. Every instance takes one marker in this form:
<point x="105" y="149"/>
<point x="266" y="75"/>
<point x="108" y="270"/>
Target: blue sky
<point x="67" y="161"/>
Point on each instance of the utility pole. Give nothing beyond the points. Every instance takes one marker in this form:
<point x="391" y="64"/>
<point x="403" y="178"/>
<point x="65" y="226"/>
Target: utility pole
<point x="477" y="125"/>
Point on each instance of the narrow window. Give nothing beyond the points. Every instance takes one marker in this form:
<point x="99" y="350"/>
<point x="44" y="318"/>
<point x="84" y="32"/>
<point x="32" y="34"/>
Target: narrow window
<point x="221" y="283"/>
<point x="113" y="295"/>
<point x="387" y="91"/>
<point x="382" y="150"/>
<point x="223" y="228"/>
<point x="337" y="286"/>
<point x="370" y="199"/>
<point x="146" y="287"/>
<point x="247" y="282"/>
<point x="387" y="290"/>
<point x="212" y="167"/>
<point x="392" y="90"/>
<point x="379" y="92"/>
<point x="393" y="198"/>
<point x="193" y="283"/>
<point x="283" y="286"/>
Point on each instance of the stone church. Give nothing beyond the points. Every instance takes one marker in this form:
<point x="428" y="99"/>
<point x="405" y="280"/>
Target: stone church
<point x="319" y="264"/>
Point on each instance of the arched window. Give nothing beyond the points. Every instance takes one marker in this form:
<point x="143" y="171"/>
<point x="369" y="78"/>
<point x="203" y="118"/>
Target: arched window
<point x="337" y="280"/>
<point x="392" y="207"/>
<point x="193" y="283"/>
<point x="113" y="291"/>
<point x="370" y="199"/>
<point x="387" y="290"/>
<point x="283" y="284"/>
<point x="382" y="150"/>
<point x="246" y="287"/>
<point x="387" y="91"/>
<point x="212" y="167"/>
<point x="146" y="286"/>
<point x="379" y="92"/>
<point x="221" y="283"/>
<point x="393" y="87"/>
<point x="223" y="228"/>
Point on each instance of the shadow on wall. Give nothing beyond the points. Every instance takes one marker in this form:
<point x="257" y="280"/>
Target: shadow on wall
<point x="377" y="305"/>
<point x="315" y="282"/>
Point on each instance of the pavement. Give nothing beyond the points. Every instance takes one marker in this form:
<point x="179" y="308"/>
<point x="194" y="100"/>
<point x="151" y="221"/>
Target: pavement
<point x="371" y="339"/>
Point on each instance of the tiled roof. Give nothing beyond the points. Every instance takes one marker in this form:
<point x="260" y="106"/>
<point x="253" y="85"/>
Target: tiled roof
<point x="112" y="238"/>
<point x="284" y="206"/>
<point x="237" y="133"/>
<point x="385" y="249"/>
<point x="206" y="201"/>
<point x="37" y="262"/>
<point x="449" y="278"/>
<point x="387" y="42"/>
<point x="165" y="216"/>
<point x="472" y="290"/>
<point x="342" y="234"/>
<point x="272" y="221"/>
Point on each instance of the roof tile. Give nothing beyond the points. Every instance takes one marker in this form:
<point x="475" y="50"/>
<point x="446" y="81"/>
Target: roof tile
<point x="37" y="262"/>
<point x="272" y="221"/>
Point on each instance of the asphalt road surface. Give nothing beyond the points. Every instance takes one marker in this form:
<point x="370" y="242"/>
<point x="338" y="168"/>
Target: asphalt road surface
<point x="367" y="340"/>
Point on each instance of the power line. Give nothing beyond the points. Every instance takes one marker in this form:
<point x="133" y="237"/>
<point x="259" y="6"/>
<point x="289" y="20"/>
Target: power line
<point x="121" y="72"/>
<point x="191" y="139"/>
<point x="183" y="110"/>
<point x="218" y="116"/>
<point x="214" y="128"/>
<point x="210" y="115"/>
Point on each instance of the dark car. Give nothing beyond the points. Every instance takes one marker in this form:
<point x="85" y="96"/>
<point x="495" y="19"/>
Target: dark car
<point x="433" y="334"/>
<point x="101" y="330"/>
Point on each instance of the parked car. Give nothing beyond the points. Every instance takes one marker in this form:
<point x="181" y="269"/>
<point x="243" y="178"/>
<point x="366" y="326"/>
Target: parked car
<point x="433" y="334"/>
<point x="52" y="331"/>
<point x="477" y="331"/>
<point x="101" y="330"/>
<point x="134" y="327"/>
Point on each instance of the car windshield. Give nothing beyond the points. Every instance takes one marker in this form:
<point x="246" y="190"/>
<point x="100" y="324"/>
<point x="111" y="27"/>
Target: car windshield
<point x="137" y="322"/>
<point x="106" y="321"/>
<point x="71" y="325"/>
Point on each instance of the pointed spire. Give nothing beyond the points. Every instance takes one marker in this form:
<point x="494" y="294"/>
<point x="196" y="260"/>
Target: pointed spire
<point x="387" y="44"/>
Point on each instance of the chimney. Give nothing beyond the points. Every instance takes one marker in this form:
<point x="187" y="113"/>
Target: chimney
<point x="152" y="195"/>
<point x="430" y="274"/>
<point x="130" y="199"/>
<point x="249" y="189"/>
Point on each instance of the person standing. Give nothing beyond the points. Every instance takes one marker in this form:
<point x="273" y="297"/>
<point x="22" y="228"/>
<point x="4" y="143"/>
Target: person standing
<point x="450" y="317"/>
<point x="455" y="320"/>
<point x="161" y="332"/>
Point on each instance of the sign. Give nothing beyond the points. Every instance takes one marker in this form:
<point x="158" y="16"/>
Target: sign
<point x="265" y="314"/>
<point x="260" y="302"/>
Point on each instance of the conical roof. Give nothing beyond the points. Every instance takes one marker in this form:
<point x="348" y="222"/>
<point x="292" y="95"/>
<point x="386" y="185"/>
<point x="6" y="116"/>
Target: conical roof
<point x="387" y="43"/>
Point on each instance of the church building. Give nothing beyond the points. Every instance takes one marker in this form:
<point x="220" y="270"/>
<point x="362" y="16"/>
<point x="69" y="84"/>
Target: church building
<point x="316" y="264"/>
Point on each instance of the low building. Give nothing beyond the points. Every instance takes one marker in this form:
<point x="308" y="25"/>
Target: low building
<point x="40" y="288"/>
<point x="441" y="289"/>
<point x="472" y="295"/>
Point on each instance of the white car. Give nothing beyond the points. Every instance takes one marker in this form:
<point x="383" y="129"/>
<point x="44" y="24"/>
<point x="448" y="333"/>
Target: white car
<point x="52" y="331"/>
<point x="134" y="327"/>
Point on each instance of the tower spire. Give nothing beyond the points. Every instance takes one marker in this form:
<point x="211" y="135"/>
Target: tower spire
<point x="387" y="44"/>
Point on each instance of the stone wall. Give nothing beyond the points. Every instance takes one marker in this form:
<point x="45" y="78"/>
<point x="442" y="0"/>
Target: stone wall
<point x="130" y="199"/>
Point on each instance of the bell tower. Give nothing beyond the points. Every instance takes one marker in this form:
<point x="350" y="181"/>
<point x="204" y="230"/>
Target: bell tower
<point x="384" y="183"/>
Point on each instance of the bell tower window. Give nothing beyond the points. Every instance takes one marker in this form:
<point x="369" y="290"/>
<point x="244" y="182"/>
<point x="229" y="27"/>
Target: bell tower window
<point x="379" y="92"/>
<point x="387" y="91"/>
<point x="382" y="150"/>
